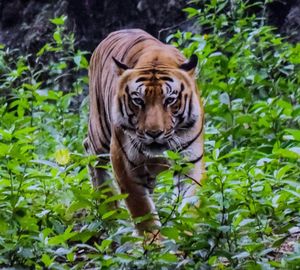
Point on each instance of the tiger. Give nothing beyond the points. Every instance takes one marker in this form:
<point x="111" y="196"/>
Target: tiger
<point x="143" y="100"/>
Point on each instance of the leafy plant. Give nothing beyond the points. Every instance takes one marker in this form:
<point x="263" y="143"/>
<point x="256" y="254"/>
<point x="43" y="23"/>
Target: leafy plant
<point x="249" y="79"/>
<point x="248" y="218"/>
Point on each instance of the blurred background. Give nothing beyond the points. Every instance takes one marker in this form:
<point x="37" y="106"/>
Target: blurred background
<point x="25" y="23"/>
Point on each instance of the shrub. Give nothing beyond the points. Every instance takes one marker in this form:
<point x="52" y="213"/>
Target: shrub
<point x="249" y="214"/>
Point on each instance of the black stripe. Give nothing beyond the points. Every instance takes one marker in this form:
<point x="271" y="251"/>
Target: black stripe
<point x="99" y="109"/>
<point x="106" y="159"/>
<point x="183" y="106"/>
<point x="133" y="55"/>
<point x="190" y="106"/>
<point x="107" y="122"/>
<point x="93" y="144"/>
<point x="178" y="101"/>
<point x="139" y="86"/>
<point x="165" y="78"/>
<point x="196" y="160"/>
<point x="187" y="144"/>
<point x="129" y="115"/>
<point x="169" y="90"/>
<point x="102" y="113"/>
<point x="127" y="128"/>
<point x="185" y="102"/>
<point x="121" y="107"/>
<point x="153" y="70"/>
<point x="131" y="105"/>
<point x="111" y="48"/>
<point x="189" y="124"/>
<point x="180" y="120"/>
<point x="103" y="144"/>
<point x="142" y="79"/>
<point x="128" y="97"/>
<point x="127" y="90"/>
<point x="125" y="154"/>
<point x="181" y="87"/>
<point x="180" y="116"/>
<point x="106" y="137"/>
<point x="138" y="149"/>
<point x="130" y="121"/>
<point x="138" y="40"/>
<point x="126" y="108"/>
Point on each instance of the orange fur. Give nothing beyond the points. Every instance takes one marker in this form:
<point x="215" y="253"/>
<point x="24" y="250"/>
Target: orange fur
<point x="143" y="102"/>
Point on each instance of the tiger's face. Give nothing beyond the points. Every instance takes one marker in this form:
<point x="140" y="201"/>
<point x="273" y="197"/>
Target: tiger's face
<point x="156" y="108"/>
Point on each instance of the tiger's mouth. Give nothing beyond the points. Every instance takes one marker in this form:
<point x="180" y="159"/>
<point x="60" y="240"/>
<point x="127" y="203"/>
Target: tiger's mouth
<point x="155" y="148"/>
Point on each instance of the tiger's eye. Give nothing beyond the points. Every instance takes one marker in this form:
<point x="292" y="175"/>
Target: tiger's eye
<point x="169" y="100"/>
<point x="138" y="101"/>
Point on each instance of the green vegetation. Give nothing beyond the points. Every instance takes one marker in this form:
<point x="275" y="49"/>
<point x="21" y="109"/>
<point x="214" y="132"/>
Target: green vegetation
<point x="50" y="218"/>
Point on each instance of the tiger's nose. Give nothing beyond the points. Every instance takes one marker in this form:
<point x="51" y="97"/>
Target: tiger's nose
<point x="153" y="133"/>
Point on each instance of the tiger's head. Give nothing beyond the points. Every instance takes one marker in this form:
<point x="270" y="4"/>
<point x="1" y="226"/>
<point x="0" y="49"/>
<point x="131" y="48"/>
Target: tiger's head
<point x="156" y="106"/>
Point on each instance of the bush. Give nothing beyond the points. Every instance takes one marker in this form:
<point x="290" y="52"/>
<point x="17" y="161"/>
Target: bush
<point x="249" y="215"/>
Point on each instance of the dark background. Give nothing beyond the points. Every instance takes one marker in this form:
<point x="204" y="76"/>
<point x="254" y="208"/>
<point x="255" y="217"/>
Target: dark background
<point x="25" y="23"/>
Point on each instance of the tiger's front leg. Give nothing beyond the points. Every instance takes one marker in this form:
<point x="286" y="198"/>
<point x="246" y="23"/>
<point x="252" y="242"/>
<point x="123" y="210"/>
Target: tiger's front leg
<point x="194" y="180"/>
<point x="139" y="201"/>
<point x="140" y="205"/>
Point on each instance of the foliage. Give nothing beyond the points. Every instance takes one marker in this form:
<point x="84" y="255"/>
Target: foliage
<point x="51" y="218"/>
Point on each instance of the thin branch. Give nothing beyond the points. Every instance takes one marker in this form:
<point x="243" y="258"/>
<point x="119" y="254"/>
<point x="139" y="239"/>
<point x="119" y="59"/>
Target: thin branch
<point x="223" y="222"/>
<point x="193" y="179"/>
<point x="171" y="27"/>
<point x="169" y="216"/>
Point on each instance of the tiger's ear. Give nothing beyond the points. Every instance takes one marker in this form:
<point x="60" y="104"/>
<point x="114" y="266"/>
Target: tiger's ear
<point x="120" y="67"/>
<point x="190" y="65"/>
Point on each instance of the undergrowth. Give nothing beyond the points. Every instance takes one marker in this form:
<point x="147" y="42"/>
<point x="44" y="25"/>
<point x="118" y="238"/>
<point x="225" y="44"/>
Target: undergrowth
<point x="51" y="218"/>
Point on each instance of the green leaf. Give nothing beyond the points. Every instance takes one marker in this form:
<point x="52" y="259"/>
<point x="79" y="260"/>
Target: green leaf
<point x="4" y="149"/>
<point x="172" y="155"/>
<point x="293" y="153"/>
<point x="80" y="60"/>
<point x="192" y="12"/>
<point x="47" y="260"/>
<point x="57" y="37"/>
<point x="83" y="236"/>
<point x="296" y="194"/>
<point x="104" y="245"/>
<point x="109" y="214"/>
<point x="168" y="257"/>
<point x="170" y="232"/>
<point x="117" y="197"/>
<point x="62" y="238"/>
<point x="59" y="20"/>
<point x="124" y="258"/>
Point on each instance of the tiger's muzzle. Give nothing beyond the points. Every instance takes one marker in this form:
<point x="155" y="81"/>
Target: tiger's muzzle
<point x="154" y="142"/>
